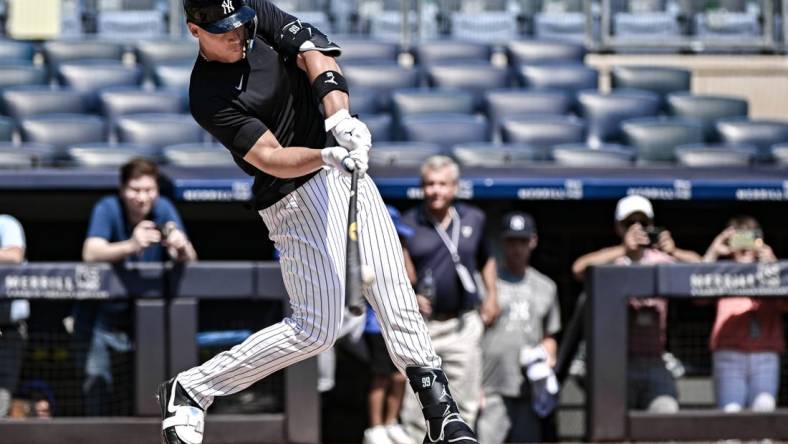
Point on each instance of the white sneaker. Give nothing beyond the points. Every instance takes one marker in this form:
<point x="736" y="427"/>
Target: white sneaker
<point x="376" y="435"/>
<point x="398" y="435"/>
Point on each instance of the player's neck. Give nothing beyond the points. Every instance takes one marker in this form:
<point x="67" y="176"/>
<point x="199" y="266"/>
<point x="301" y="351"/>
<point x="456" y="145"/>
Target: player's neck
<point x="441" y="215"/>
<point x="516" y="270"/>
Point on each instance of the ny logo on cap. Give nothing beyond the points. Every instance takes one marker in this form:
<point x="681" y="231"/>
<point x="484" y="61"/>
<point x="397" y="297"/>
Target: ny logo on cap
<point x="227" y="6"/>
<point x="517" y="223"/>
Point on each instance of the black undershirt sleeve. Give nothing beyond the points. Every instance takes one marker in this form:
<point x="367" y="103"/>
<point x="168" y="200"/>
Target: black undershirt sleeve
<point x="237" y="131"/>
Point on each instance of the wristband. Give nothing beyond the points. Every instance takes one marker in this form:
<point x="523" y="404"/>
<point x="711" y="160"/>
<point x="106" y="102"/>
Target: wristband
<point x="329" y="81"/>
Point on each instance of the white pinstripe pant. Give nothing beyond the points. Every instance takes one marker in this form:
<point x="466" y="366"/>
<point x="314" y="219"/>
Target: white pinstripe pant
<point x="308" y="228"/>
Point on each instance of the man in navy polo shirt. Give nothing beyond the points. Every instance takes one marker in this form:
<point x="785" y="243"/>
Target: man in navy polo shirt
<point x="135" y="225"/>
<point x="447" y="250"/>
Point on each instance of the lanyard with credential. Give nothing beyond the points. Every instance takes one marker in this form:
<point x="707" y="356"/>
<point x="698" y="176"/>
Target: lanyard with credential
<point x="451" y="244"/>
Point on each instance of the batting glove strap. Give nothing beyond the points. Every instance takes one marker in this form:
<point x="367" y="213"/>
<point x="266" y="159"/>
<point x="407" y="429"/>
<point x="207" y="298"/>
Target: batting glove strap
<point x="337" y="117"/>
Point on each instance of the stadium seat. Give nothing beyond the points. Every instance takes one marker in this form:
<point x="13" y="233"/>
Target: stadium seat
<point x="25" y="155"/>
<point x="445" y="129"/>
<point x="16" y="50"/>
<point x="364" y="101"/>
<point x="534" y="52"/>
<point x="779" y="153"/>
<point x="473" y="78"/>
<point x="501" y="103"/>
<point x="27" y="101"/>
<point x="659" y="80"/>
<point x="90" y="77"/>
<point x="655" y="138"/>
<point x="646" y="26"/>
<point x="490" y="155"/>
<point x="59" y="51"/>
<point x="707" y="109"/>
<point x="727" y="25"/>
<point x="175" y="76"/>
<point x="490" y="27"/>
<point x="427" y="53"/>
<point x="158" y="129"/>
<point x="406" y="102"/>
<point x="605" y="112"/>
<point x="563" y="26"/>
<point x="763" y="134"/>
<point x="581" y="155"/>
<point x="118" y="102"/>
<point x="62" y="130"/>
<point x="569" y="77"/>
<point x="197" y="155"/>
<point x="381" y="78"/>
<point x="365" y="50"/>
<point x="380" y="125"/>
<point x="107" y="155"/>
<point x="6" y="129"/>
<point x="132" y="24"/>
<point x="153" y="53"/>
<point x="720" y="155"/>
<point x="402" y="154"/>
<point x="542" y="132"/>
<point x="16" y="75"/>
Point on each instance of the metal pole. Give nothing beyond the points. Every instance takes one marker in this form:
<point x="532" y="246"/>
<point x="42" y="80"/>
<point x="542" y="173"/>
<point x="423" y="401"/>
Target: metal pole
<point x="768" y="24"/>
<point x="605" y="24"/>
<point x="405" y="24"/>
<point x="176" y="16"/>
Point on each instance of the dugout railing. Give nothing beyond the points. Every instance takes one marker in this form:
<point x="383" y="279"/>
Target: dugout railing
<point x="166" y="302"/>
<point x="608" y="289"/>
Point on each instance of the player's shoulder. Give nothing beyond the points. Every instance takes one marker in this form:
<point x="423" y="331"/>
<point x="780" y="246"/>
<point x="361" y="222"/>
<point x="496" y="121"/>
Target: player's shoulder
<point x="469" y="212"/>
<point x="541" y="280"/>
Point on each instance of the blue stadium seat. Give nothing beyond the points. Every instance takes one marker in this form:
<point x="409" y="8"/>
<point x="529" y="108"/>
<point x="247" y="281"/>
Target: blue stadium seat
<point x="605" y="112"/>
<point x="542" y="132"/>
<point x="489" y="27"/>
<point x="728" y="25"/>
<point x="659" y="80"/>
<point x="380" y="125"/>
<point x="90" y="77"/>
<point x="25" y="155"/>
<point x="158" y="129"/>
<point x="502" y="103"/>
<point x="707" y="109"/>
<point x="427" y="53"/>
<point x="565" y="26"/>
<point x="581" y="155"/>
<point x="715" y="155"/>
<point x="646" y="26"/>
<point x="364" y="101"/>
<point x="118" y="102"/>
<point x="569" y="77"/>
<point x="402" y="154"/>
<point x="655" y="138"/>
<point x="406" y="102"/>
<point x="446" y="129"/>
<point x="27" y="101"/>
<point x="381" y="78"/>
<point x="761" y="133"/>
<point x="59" y="51"/>
<point x="175" y="76"/>
<point x="16" y="50"/>
<point x="6" y="129"/>
<point x="534" y="52"/>
<point x="92" y="155"/>
<point x="473" y="78"/>
<point x="62" y="130"/>
<point x="150" y="54"/>
<point x="365" y="50"/>
<point x="490" y="155"/>
<point x="17" y="75"/>
<point x="779" y="153"/>
<point x="197" y="155"/>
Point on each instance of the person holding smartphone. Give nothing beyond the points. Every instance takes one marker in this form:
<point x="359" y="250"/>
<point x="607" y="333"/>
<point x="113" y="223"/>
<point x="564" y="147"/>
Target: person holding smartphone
<point x="135" y="225"/>
<point x="747" y="338"/>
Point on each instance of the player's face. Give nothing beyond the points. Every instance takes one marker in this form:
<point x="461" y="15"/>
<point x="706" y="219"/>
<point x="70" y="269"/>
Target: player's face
<point x="517" y="250"/>
<point x="225" y="48"/>
<point x="139" y="194"/>
<point x="440" y="188"/>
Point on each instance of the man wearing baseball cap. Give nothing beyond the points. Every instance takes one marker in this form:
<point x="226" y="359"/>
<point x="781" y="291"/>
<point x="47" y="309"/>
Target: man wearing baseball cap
<point x="651" y="385"/>
<point x="519" y="350"/>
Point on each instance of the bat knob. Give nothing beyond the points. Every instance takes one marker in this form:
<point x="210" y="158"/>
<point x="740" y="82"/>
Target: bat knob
<point x="349" y="163"/>
<point x="356" y="311"/>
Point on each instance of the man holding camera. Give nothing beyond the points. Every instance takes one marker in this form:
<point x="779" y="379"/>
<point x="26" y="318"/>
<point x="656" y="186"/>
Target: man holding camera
<point x="136" y="225"/>
<point x="651" y="385"/>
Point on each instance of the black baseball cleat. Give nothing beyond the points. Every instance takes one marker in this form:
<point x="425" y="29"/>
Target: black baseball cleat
<point x="444" y="424"/>
<point x="182" y="418"/>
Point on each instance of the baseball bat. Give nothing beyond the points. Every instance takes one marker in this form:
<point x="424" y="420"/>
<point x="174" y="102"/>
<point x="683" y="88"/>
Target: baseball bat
<point x="353" y="298"/>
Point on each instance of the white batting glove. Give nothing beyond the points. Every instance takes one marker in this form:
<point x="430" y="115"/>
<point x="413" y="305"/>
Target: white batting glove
<point x="337" y="157"/>
<point x="532" y="355"/>
<point x="348" y="131"/>
<point x="361" y="158"/>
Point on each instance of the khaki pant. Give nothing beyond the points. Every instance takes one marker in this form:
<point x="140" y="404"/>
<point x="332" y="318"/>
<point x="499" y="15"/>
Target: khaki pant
<point x="457" y="342"/>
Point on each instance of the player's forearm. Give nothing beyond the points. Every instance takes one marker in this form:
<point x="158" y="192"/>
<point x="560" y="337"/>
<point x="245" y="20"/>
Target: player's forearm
<point x="490" y="276"/>
<point x="285" y="163"/>
<point x="686" y="256"/>
<point x="551" y="347"/>
<point x="109" y="252"/>
<point x="317" y="63"/>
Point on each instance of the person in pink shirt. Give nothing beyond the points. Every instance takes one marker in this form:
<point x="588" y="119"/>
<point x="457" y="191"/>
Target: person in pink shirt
<point x="650" y="385"/>
<point x="747" y="338"/>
